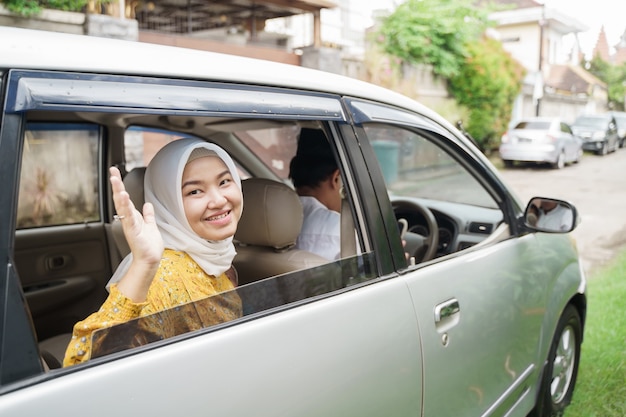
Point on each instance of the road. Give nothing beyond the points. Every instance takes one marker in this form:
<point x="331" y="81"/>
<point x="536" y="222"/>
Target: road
<point x="597" y="187"/>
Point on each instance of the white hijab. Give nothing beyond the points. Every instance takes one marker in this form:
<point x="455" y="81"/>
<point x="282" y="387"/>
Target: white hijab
<point x="162" y="188"/>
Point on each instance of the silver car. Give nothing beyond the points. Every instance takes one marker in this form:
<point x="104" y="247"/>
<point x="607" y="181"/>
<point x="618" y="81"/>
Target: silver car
<point x="542" y="140"/>
<point x="480" y="312"/>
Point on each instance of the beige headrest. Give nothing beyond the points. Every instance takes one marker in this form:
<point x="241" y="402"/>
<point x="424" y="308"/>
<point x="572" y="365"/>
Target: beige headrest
<point x="133" y="181"/>
<point x="272" y="214"/>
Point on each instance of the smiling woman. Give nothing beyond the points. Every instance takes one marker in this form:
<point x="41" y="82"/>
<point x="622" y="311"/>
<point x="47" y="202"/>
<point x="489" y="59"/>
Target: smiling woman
<point x="194" y="215"/>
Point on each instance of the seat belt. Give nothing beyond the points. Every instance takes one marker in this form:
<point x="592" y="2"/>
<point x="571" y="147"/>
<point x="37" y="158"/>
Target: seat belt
<point x="348" y="239"/>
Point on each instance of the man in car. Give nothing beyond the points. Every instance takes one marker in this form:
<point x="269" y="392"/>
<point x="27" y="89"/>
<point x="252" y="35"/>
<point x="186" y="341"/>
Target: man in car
<point x="317" y="180"/>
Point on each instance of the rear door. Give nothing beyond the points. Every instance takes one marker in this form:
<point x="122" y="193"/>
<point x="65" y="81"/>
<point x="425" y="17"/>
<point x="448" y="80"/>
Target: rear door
<point x="340" y="339"/>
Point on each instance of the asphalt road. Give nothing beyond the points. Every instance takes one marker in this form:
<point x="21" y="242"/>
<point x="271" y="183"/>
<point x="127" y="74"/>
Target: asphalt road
<point x="597" y="187"/>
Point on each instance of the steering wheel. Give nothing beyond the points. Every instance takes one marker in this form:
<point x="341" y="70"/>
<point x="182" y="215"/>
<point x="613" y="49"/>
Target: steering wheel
<point x="423" y="249"/>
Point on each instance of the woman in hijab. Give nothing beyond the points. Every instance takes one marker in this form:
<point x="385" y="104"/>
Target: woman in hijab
<point x="181" y="252"/>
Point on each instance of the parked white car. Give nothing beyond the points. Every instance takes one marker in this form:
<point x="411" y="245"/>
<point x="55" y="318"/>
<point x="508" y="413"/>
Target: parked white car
<point x="543" y="140"/>
<point x="484" y="318"/>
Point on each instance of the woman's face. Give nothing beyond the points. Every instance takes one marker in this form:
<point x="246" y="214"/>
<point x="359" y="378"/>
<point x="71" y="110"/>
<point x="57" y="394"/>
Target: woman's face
<point x="211" y="198"/>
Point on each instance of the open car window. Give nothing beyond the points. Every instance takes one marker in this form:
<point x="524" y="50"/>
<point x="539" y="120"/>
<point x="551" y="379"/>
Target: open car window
<point x="258" y="298"/>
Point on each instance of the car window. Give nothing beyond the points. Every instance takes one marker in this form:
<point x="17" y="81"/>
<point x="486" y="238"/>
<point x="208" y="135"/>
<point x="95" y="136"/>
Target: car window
<point x="539" y="125"/>
<point x="414" y="166"/>
<point x="142" y="143"/>
<point x="275" y="146"/>
<point x="433" y="194"/>
<point x="565" y="128"/>
<point x="271" y="146"/>
<point x="594" y="122"/>
<point x="59" y="177"/>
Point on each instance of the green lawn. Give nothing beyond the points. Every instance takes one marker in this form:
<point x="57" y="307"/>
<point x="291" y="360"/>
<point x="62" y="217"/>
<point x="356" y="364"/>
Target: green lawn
<point x="601" y="387"/>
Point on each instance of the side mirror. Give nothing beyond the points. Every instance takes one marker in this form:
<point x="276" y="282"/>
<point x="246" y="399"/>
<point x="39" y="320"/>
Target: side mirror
<point x="550" y="215"/>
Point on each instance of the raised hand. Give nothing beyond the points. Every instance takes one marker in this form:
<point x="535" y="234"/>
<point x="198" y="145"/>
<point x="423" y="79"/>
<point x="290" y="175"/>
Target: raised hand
<point x="143" y="237"/>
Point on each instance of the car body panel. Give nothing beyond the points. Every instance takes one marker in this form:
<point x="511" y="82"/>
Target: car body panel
<point x="326" y="345"/>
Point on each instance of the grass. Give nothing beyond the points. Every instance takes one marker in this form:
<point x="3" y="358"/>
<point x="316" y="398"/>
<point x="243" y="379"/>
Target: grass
<point x="601" y="386"/>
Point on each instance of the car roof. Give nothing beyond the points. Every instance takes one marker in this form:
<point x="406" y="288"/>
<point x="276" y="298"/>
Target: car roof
<point x="595" y="116"/>
<point x="34" y="49"/>
<point x="540" y="119"/>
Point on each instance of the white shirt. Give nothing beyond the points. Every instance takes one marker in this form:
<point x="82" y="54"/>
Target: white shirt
<point x="557" y="219"/>
<point x="320" y="232"/>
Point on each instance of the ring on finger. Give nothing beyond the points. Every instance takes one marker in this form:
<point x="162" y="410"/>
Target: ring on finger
<point x="118" y="217"/>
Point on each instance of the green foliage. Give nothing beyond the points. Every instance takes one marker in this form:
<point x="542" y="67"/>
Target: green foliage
<point x="487" y="85"/>
<point x="23" y="7"/>
<point x="600" y="390"/>
<point x="615" y="78"/>
<point x="434" y="32"/>
<point x="448" y="35"/>
<point x="29" y="8"/>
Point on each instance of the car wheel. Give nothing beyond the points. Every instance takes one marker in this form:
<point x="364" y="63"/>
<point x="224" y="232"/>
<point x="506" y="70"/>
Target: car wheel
<point x="560" y="161"/>
<point x="604" y="150"/>
<point x="508" y="163"/>
<point x="579" y="155"/>
<point x="559" y="373"/>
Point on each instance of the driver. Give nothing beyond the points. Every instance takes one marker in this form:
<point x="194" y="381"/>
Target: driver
<point x="317" y="180"/>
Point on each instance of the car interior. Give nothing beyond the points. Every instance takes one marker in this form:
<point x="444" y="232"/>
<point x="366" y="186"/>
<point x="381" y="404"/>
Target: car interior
<point x="65" y="261"/>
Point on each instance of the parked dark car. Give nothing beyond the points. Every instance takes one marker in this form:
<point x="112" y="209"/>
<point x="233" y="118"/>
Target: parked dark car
<point x="598" y="133"/>
<point x="620" y="119"/>
<point x="541" y="139"/>
<point x="485" y="317"/>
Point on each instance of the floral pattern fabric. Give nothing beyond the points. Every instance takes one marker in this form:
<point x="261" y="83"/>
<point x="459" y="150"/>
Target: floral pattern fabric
<point x="181" y="298"/>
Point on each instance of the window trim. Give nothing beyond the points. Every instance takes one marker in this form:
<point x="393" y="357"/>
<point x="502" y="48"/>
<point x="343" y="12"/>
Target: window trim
<point x="32" y="90"/>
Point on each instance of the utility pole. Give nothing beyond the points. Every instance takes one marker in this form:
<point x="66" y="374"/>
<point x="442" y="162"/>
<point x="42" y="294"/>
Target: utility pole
<point x="542" y="23"/>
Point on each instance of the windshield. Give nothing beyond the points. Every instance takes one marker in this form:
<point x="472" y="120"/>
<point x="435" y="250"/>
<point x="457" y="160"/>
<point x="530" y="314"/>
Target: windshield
<point x="595" y="122"/>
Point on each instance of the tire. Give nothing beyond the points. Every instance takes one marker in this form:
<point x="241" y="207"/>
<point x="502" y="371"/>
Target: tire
<point x="579" y="155"/>
<point x="508" y="163"/>
<point x="559" y="373"/>
<point x="604" y="150"/>
<point x="560" y="161"/>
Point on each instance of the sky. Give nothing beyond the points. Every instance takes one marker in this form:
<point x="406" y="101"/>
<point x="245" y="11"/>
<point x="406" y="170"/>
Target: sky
<point x="592" y="13"/>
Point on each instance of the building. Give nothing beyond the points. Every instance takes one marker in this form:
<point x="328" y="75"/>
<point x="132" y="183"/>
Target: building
<point x="545" y="41"/>
<point x="603" y="51"/>
<point x="235" y="27"/>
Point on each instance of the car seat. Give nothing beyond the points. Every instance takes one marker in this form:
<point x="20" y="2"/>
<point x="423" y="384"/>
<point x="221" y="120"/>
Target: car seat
<point x="267" y="232"/>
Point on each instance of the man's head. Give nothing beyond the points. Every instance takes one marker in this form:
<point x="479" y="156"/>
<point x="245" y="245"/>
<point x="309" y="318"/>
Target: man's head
<point x="314" y="171"/>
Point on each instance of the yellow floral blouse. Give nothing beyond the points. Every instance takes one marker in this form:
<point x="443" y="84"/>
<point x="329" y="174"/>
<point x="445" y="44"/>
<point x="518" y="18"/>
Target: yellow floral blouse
<point x="181" y="298"/>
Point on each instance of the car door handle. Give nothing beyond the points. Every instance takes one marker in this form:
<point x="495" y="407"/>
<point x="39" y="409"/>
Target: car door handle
<point x="57" y="262"/>
<point x="447" y="315"/>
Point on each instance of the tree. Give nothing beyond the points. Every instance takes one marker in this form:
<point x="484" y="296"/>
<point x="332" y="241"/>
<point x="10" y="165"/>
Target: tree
<point x="615" y="78"/>
<point x="34" y="7"/>
<point x="434" y="32"/>
<point x="488" y="83"/>
<point x="449" y="36"/>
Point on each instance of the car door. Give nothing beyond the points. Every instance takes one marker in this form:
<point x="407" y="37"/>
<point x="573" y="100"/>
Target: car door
<point x="312" y="342"/>
<point x="480" y="301"/>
